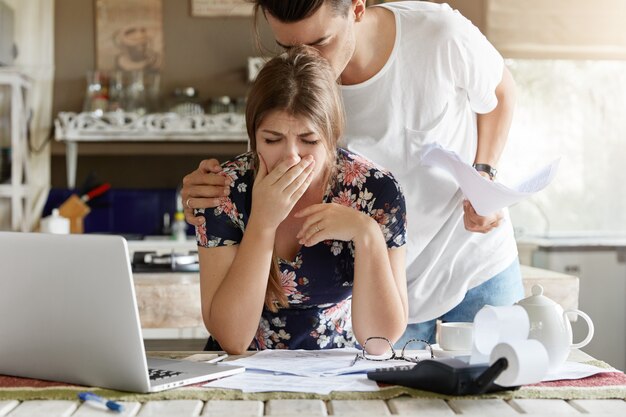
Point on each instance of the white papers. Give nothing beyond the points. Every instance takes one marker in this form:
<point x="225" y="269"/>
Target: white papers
<point x="316" y="371"/>
<point x="314" y="363"/>
<point x="575" y="370"/>
<point x="486" y="196"/>
<point x="569" y="370"/>
<point x="255" y="381"/>
<point x="322" y="372"/>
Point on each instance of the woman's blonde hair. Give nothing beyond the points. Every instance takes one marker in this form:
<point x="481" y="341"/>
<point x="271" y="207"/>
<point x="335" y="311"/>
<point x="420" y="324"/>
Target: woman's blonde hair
<point x="301" y="83"/>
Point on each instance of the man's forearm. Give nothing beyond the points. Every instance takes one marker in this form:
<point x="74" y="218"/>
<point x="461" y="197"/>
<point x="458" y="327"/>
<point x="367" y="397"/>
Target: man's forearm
<point x="493" y="127"/>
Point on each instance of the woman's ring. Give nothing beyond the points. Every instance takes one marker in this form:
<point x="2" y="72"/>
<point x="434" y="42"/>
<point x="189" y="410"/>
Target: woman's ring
<point x="187" y="203"/>
<point x="317" y="229"/>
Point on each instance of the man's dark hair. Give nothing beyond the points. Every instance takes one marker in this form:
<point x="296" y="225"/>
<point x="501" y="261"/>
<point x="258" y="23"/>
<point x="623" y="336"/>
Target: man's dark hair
<point x="289" y="11"/>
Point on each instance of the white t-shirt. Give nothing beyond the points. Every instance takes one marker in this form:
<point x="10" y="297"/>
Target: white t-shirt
<point x="442" y="71"/>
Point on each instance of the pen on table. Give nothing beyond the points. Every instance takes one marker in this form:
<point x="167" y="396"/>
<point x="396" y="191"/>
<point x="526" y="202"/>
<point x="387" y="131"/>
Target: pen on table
<point x="217" y="359"/>
<point x="93" y="398"/>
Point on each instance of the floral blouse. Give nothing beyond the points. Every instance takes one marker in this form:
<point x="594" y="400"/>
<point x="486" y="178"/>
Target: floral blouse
<point x="318" y="283"/>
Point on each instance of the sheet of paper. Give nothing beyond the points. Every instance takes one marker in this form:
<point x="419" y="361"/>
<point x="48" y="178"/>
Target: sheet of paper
<point x="486" y="196"/>
<point x="256" y="381"/>
<point x="315" y="363"/>
<point x="569" y="370"/>
<point x="575" y="370"/>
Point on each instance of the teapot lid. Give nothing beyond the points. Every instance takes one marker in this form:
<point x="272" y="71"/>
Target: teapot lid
<point x="537" y="298"/>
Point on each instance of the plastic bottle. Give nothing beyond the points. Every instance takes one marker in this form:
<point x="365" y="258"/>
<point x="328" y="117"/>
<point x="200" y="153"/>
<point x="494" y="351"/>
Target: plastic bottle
<point x="55" y="223"/>
<point x="179" y="227"/>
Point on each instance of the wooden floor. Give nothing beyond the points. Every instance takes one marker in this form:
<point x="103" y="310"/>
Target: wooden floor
<point x="302" y="408"/>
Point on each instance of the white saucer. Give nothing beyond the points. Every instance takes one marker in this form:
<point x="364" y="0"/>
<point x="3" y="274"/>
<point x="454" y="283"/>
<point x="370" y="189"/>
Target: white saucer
<point x="441" y="353"/>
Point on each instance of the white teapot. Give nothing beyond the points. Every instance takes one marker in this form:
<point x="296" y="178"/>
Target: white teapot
<point x="549" y="325"/>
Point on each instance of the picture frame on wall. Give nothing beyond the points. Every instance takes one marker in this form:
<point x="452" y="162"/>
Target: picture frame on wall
<point x="129" y="35"/>
<point x="221" y="8"/>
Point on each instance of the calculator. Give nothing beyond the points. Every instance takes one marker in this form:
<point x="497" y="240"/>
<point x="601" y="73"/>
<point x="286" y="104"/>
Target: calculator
<point x="450" y="376"/>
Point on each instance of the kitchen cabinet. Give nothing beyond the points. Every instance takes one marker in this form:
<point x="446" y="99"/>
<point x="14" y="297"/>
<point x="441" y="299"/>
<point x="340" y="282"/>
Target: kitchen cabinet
<point x="17" y="189"/>
<point x="121" y="133"/>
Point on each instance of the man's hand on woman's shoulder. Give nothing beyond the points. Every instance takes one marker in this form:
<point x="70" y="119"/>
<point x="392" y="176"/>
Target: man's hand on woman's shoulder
<point x="202" y="188"/>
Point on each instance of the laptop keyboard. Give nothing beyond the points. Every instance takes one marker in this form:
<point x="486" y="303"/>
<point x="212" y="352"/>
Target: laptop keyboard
<point x="157" y="374"/>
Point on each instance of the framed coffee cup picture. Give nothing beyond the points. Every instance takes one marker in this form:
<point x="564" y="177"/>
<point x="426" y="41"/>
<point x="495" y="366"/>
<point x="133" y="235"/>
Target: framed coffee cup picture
<point x="129" y="35"/>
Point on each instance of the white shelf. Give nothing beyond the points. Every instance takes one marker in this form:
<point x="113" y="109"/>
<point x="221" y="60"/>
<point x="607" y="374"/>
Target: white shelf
<point x="123" y="126"/>
<point x="119" y="126"/>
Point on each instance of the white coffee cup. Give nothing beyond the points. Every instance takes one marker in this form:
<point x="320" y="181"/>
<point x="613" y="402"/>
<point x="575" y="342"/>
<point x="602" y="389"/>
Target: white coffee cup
<point x="455" y="336"/>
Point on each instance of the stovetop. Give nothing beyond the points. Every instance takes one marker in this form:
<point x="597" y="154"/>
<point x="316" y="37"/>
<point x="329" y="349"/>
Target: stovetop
<point x="163" y="255"/>
<point x="168" y="262"/>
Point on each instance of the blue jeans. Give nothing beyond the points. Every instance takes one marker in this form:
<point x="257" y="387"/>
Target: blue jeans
<point x="503" y="289"/>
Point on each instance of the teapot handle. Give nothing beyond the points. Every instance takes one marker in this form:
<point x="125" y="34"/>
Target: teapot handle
<point x="589" y="325"/>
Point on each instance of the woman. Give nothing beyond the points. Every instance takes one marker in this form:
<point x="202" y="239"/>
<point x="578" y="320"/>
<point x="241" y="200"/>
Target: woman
<point x="307" y="249"/>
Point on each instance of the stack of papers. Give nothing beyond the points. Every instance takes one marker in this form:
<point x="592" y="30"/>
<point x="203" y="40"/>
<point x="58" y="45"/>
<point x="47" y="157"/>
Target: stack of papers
<point x="319" y="372"/>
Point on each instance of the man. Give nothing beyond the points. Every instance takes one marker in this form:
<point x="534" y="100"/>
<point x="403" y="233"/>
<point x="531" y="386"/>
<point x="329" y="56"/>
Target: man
<point x="413" y="73"/>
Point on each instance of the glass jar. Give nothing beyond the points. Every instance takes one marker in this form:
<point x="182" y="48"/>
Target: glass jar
<point x="96" y="94"/>
<point x="116" y="91"/>
<point x="185" y="102"/>
<point x="223" y="104"/>
<point x="136" y="94"/>
<point x="153" y="90"/>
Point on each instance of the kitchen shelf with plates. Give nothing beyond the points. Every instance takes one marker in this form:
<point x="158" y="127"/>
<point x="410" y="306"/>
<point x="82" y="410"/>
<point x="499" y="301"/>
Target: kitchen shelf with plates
<point x="128" y="127"/>
<point x="16" y="188"/>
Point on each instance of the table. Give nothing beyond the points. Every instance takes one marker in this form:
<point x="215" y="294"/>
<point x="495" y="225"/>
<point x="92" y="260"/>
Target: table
<point x="317" y="407"/>
<point x="365" y="408"/>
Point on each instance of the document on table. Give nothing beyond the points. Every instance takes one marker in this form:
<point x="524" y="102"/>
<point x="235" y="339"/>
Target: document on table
<point x="486" y="196"/>
<point x="575" y="370"/>
<point x="257" y="381"/>
<point x="315" y="363"/>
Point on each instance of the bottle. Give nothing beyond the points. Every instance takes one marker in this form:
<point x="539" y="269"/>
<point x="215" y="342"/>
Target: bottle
<point x="5" y="133"/>
<point x="179" y="227"/>
<point x="55" y="223"/>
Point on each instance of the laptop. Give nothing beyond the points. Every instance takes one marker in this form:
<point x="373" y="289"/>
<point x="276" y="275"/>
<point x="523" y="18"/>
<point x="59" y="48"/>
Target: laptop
<point x="68" y="313"/>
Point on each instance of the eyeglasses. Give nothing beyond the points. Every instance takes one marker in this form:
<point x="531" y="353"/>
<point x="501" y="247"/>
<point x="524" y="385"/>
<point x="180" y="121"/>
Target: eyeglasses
<point x="391" y="353"/>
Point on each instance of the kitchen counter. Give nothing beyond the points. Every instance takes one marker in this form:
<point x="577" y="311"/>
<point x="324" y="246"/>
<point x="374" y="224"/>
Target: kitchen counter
<point x="172" y="300"/>
<point x="580" y="241"/>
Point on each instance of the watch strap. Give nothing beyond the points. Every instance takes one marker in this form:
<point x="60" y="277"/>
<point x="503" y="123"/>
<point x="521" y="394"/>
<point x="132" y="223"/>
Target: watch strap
<point x="491" y="171"/>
